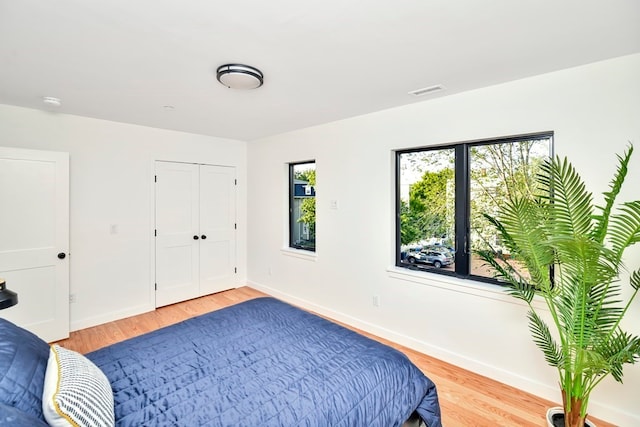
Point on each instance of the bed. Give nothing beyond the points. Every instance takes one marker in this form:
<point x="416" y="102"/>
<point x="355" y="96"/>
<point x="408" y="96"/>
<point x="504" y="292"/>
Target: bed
<point x="258" y="363"/>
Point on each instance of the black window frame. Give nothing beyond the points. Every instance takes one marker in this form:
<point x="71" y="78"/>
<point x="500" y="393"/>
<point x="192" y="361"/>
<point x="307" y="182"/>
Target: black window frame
<point x="292" y="221"/>
<point x="462" y="258"/>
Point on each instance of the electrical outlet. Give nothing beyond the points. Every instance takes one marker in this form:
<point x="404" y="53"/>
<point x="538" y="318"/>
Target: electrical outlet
<point x="376" y="301"/>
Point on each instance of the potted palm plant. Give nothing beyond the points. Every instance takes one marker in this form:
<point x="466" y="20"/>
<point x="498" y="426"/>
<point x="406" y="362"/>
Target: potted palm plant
<point x="569" y="252"/>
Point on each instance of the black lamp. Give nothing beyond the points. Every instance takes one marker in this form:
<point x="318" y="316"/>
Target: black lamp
<point x="7" y="298"/>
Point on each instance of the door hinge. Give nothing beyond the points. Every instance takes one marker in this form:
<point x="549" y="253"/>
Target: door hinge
<point x="155" y="178"/>
<point x="235" y="182"/>
<point x="235" y="226"/>
<point x="155" y="232"/>
<point x="156" y="286"/>
<point x="235" y="270"/>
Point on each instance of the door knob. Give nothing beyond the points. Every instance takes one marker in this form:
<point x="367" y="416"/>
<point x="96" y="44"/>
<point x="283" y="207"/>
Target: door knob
<point x="195" y="237"/>
<point x="62" y="255"/>
<point x="203" y="237"/>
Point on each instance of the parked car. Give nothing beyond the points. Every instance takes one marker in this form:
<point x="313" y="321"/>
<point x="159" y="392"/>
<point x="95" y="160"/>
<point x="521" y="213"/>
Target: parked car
<point x="436" y="258"/>
<point x="441" y="248"/>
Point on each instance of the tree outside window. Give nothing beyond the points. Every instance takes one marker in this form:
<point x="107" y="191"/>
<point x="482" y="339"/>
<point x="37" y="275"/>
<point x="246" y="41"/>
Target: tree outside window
<point x="443" y="192"/>
<point x="302" y="206"/>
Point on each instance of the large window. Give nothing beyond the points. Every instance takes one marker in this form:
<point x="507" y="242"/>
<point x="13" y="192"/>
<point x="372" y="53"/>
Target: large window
<point x="302" y="205"/>
<point x="443" y="192"/>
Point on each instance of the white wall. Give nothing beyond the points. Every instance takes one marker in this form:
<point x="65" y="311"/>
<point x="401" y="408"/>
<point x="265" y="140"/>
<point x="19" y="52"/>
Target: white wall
<point x="111" y="183"/>
<point x="594" y="111"/>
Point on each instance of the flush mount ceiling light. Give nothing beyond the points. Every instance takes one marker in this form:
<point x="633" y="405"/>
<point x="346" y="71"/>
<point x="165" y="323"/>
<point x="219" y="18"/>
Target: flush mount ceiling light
<point x="50" y="101"/>
<point x="238" y="76"/>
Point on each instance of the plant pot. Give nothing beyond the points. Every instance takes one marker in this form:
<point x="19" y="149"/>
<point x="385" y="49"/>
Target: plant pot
<point x="559" y="412"/>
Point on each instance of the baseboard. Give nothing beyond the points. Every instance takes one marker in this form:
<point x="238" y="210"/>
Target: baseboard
<point x="496" y="373"/>
<point x="110" y="317"/>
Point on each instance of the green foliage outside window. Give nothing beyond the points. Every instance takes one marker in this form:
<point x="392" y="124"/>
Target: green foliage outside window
<point x="427" y="213"/>
<point x="308" y="206"/>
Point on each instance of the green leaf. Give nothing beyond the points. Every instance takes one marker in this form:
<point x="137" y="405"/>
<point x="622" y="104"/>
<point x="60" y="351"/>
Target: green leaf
<point x="521" y="231"/>
<point x="570" y="203"/>
<point x="635" y="280"/>
<point x="516" y="285"/>
<point x="610" y="196"/>
<point x="624" y="229"/>
<point x="621" y="349"/>
<point x="543" y="339"/>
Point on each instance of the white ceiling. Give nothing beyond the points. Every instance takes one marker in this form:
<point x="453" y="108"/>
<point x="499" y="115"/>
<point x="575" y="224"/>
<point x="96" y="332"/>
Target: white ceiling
<point x="323" y="60"/>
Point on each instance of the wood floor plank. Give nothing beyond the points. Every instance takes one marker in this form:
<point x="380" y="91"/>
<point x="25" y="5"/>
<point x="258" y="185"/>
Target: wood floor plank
<point x="466" y="398"/>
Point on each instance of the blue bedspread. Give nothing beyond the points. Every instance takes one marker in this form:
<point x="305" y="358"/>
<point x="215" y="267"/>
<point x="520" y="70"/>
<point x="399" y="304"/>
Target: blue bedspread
<point x="263" y="363"/>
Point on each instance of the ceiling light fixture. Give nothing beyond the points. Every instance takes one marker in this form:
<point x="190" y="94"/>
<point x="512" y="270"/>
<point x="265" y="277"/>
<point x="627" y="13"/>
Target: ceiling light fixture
<point x="238" y="76"/>
<point x="51" y="101"/>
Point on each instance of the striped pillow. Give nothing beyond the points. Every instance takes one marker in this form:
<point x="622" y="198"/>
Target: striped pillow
<point x="76" y="392"/>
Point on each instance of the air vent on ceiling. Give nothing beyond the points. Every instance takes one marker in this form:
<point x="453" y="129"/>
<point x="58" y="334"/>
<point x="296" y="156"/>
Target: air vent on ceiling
<point x="426" y="90"/>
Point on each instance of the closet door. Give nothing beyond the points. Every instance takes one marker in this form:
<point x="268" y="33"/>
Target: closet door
<point x="195" y="230"/>
<point x="217" y="228"/>
<point x="177" y="217"/>
<point x="34" y="239"/>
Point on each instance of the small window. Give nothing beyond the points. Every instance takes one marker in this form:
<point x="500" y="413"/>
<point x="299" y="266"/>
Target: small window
<point x="443" y="192"/>
<point x="302" y="206"/>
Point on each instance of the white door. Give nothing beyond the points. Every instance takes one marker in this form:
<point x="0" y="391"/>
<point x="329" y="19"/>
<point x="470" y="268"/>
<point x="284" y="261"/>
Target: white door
<point x="177" y="216"/>
<point x="34" y="239"/>
<point x="217" y="228"/>
<point x="195" y="230"/>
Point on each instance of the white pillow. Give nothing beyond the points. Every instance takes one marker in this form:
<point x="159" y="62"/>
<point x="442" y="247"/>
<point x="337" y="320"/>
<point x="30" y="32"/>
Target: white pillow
<point x="76" y="392"/>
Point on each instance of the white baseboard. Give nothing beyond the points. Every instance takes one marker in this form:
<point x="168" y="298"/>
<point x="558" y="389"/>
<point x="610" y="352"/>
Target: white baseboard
<point x="494" y="372"/>
<point x="110" y="317"/>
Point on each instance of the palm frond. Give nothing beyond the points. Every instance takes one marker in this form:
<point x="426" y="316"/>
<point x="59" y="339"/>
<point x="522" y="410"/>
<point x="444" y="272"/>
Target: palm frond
<point x="624" y="229"/>
<point x="520" y="227"/>
<point x="605" y="302"/>
<point x="543" y="339"/>
<point x="570" y="204"/>
<point x="591" y="362"/>
<point x="602" y="220"/>
<point x="621" y="349"/>
<point x="517" y="286"/>
<point x="580" y="256"/>
<point x="504" y="234"/>
<point x="579" y="321"/>
<point x="634" y="280"/>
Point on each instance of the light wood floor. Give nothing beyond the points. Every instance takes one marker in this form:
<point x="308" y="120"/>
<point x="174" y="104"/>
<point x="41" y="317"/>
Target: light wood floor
<point x="466" y="399"/>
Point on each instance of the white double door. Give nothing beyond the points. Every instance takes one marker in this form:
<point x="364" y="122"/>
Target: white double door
<point x="195" y="214"/>
<point x="34" y="239"/>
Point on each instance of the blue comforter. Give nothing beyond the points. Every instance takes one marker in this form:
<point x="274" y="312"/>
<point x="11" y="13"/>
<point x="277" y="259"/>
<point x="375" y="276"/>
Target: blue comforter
<point x="263" y="363"/>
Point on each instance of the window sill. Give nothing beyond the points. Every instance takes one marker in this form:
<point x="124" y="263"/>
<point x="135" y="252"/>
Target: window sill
<point x="299" y="253"/>
<point x="465" y="286"/>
